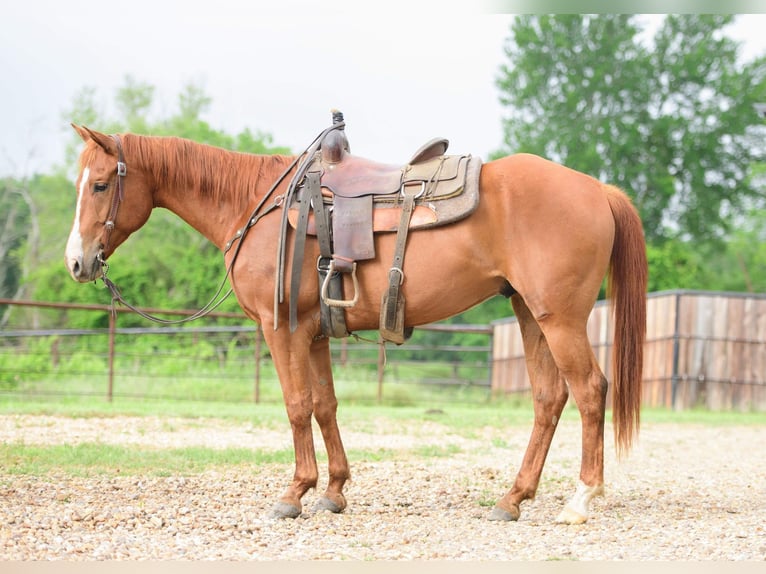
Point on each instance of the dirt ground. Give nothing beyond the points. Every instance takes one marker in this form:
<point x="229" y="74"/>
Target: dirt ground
<point x="687" y="492"/>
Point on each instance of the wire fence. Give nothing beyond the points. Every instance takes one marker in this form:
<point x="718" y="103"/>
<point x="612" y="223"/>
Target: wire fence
<point x="211" y="361"/>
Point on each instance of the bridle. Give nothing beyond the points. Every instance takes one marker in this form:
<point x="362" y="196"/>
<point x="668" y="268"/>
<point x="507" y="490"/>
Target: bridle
<point x="117" y="197"/>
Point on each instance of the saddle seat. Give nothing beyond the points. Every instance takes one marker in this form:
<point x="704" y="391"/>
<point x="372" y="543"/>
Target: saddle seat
<point x="439" y="177"/>
<point x="354" y="176"/>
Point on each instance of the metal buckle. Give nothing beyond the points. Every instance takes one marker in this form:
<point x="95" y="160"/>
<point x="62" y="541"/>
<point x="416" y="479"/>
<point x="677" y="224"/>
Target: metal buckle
<point x="122" y="169"/>
<point x="418" y="194"/>
<point x="324" y="263"/>
<point x="396" y="270"/>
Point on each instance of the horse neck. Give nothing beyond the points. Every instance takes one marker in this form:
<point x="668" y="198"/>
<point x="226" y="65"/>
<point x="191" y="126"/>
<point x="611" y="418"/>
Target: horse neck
<point x="210" y="188"/>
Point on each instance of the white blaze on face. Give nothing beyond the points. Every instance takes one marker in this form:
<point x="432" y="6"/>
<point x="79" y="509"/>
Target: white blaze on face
<point x="74" y="249"/>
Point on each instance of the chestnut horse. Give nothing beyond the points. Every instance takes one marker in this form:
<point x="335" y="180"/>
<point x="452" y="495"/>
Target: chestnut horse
<point x="543" y="235"/>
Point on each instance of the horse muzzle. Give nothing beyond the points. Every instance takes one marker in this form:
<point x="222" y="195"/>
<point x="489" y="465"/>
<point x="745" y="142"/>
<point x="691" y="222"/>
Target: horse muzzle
<point x="85" y="269"/>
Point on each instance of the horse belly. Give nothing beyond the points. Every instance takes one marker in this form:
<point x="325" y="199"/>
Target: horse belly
<point x="444" y="274"/>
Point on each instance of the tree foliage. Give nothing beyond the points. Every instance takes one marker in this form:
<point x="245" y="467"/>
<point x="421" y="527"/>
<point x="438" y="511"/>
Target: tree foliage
<point x="15" y="220"/>
<point x="671" y="122"/>
<point x="167" y="264"/>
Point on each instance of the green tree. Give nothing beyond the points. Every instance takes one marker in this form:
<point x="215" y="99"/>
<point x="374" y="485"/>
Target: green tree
<point x="167" y="264"/>
<point x="675" y="265"/>
<point x="673" y="124"/>
<point x="741" y="265"/>
<point x="16" y="228"/>
<point x="134" y="101"/>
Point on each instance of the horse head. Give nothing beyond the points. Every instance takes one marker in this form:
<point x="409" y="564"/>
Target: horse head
<point x="107" y="210"/>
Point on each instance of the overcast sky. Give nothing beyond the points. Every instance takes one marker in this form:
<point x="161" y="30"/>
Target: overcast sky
<point x="400" y="76"/>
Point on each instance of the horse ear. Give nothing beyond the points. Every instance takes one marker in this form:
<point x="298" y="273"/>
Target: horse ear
<point x="102" y="140"/>
<point x="81" y="132"/>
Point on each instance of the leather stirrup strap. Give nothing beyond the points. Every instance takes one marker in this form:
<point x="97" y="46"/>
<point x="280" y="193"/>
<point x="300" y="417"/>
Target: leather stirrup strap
<point x="312" y="197"/>
<point x="308" y="160"/>
<point x="298" y="254"/>
<point x="396" y="273"/>
<point x="320" y="213"/>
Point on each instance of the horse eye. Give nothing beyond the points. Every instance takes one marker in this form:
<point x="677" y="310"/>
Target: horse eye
<point x="100" y="187"/>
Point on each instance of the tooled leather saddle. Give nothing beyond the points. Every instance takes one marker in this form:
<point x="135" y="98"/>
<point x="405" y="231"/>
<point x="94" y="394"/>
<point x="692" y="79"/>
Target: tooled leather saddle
<point x="343" y="200"/>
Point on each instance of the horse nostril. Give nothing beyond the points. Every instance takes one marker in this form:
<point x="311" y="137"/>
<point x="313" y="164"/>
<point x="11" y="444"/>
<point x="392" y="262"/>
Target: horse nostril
<point x="75" y="267"/>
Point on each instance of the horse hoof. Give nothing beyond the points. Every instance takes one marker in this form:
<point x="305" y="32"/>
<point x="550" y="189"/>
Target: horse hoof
<point x="325" y="504"/>
<point x="502" y="515"/>
<point x="570" y="516"/>
<point x="285" y="510"/>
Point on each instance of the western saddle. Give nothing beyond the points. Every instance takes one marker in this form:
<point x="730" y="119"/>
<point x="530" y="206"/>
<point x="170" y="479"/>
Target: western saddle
<point x="353" y="198"/>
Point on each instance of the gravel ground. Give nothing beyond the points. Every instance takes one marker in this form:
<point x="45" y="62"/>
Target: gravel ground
<point x="685" y="493"/>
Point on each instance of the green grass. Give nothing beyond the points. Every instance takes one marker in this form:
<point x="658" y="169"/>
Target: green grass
<point x="96" y="458"/>
<point x="90" y="459"/>
<point x="93" y="459"/>
<point x="511" y="411"/>
<point x="271" y="415"/>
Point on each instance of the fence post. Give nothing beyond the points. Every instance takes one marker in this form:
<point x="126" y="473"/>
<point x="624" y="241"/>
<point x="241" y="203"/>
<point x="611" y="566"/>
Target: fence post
<point x="258" y="343"/>
<point x="381" y="367"/>
<point x="676" y="350"/>
<point x="112" y="329"/>
<point x="491" y="362"/>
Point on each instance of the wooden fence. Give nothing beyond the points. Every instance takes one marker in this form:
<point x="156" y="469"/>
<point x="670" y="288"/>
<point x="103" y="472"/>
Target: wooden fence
<point x="702" y="349"/>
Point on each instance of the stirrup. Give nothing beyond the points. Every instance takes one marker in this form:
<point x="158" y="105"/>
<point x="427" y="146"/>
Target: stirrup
<point x="339" y="302"/>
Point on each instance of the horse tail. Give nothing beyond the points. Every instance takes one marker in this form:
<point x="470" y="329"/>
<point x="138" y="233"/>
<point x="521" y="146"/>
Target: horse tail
<point x="627" y="284"/>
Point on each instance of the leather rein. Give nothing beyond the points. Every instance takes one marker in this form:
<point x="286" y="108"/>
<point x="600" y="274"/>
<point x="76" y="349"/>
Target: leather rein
<point x="216" y="300"/>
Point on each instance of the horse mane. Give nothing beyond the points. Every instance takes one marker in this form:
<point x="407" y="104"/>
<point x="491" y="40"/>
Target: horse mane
<point x="214" y="172"/>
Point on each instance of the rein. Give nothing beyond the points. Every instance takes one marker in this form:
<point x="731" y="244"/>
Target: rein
<point x="239" y="236"/>
<point x="214" y="301"/>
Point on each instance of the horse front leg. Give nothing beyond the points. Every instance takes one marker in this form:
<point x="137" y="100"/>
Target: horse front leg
<point x="325" y="410"/>
<point x="290" y="353"/>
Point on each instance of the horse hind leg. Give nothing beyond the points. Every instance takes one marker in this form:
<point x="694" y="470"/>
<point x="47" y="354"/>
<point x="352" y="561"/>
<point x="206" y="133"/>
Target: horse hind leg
<point x="574" y="356"/>
<point x="325" y="411"/>
<point x="550" y="394"/>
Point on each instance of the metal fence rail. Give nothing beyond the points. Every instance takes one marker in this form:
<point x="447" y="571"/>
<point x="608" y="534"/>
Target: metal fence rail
<point x="215" y="362"/>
